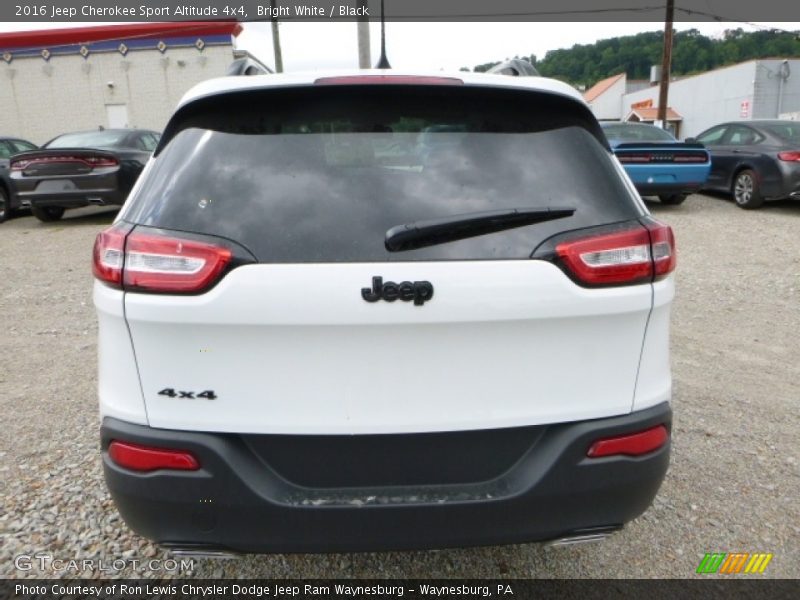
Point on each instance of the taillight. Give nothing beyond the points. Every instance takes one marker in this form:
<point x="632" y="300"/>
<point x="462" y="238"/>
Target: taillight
<point x="101" y="161"/>
<point x="647" y="157"/>
<point x="632" y="444"/>
<point x="662" y="242"/>
<point x="155" y="263"/>
<point x="624" y="257"/>
<point x="790" y="156"/>
<point x="92" y="161"/>
<point x="109" y="254"/>
<point x="166" y="264"/>
<point x="388" y="79"/>
<point x="698" y="157"/>
<point x="634" y="158"/>
<point x="146" y="458"/>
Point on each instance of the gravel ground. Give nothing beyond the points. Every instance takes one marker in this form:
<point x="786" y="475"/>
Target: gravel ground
<point x="733" y="485"/>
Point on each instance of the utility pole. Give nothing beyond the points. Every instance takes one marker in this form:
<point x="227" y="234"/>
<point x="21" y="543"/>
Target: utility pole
<point x="276" y="40"/>
<point x="666" y="61"/>
<point x="364" y="58"/>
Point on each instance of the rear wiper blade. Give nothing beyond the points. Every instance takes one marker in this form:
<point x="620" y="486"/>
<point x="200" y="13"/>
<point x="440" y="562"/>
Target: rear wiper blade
<point x="421" y="234"/>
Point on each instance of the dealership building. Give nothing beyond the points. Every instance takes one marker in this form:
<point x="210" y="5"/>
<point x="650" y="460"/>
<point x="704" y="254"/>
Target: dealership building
<point x="131" y="75"/>
<point x="756" y="89"/>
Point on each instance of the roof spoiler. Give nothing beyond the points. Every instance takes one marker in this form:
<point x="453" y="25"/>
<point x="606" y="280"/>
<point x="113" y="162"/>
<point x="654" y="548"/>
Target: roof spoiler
<point x="516" y="67"/>
<point x="247" y="64"/>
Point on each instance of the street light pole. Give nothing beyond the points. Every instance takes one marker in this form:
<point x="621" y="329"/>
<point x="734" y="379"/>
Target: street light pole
<point x="364" y="58"/>
<point x="276" y="41"/>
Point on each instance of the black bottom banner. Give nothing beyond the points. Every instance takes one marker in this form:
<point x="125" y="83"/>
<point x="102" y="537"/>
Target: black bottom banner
<point x="545" y="589"/>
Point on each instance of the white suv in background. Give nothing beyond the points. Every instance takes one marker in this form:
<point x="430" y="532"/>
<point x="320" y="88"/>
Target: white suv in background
<point x="375" y="310"/>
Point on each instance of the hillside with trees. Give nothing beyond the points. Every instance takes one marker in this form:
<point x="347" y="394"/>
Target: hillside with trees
<point x="692" y="52"/>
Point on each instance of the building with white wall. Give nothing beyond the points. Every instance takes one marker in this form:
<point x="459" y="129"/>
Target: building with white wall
<point x="604" y="96"/>
<point x="756" y="89"/>
<point x="131" y="75"/>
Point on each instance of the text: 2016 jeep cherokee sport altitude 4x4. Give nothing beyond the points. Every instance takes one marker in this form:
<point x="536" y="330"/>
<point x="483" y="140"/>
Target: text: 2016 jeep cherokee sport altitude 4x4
<point x="374" y="310"/>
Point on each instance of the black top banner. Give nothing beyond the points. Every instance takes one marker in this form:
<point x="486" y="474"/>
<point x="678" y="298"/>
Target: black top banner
<point x="397" y="10"/>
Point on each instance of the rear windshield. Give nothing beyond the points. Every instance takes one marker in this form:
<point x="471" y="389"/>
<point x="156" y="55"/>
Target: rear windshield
<point x="89" y="139"/>
<point x="320" y="174"/>
<point x="637" y="133"/>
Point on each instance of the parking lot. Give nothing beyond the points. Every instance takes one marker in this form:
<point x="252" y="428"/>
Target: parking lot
<point x="733" y="485"/>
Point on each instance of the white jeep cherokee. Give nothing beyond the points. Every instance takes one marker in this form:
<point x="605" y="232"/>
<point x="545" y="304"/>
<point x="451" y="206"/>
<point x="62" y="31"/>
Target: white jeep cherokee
<point x="378" y="310"/>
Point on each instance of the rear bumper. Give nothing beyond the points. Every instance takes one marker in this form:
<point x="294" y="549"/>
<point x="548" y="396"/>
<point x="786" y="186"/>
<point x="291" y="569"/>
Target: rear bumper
<point x="74" y="200"/>
<point x="238" y="501"/>
<point x="787" y="186"/>
<point x="70" y="192"/>
<point x="667" y="179"/>
<point x="659" y="189"/>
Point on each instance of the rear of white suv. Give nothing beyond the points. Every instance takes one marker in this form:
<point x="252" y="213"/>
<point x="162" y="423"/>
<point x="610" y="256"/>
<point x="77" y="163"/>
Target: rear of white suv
<point x="375" y="311"/>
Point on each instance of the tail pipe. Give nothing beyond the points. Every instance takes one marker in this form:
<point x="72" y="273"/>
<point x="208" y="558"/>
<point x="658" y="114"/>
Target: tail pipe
<point x="190" y="551"/>
<point x="584" y="536"/>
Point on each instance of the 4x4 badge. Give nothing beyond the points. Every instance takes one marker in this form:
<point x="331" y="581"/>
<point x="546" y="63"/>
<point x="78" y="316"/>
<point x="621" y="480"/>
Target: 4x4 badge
<point x="418" y="291"/>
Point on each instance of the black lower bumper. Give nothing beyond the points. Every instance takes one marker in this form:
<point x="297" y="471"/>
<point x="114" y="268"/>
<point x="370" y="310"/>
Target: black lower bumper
<point x="240" y="501"/>
<point x="76" y="200"/>
<point x="666" y="189"/>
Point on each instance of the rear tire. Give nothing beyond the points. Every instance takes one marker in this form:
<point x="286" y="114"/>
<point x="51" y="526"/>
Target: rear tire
<point x="5" y="206"/>
<point x="672" y="199"/>
<point x="46" y="214"/>
<point x="746" y="192"/>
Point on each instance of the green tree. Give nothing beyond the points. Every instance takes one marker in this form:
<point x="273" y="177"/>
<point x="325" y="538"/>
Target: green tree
<point x="692" y="52"/>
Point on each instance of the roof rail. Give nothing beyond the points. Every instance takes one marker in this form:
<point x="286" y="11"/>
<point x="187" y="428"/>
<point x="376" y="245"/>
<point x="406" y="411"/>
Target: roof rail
<point x="247" y="64"/>
<point x="516" y="67"/>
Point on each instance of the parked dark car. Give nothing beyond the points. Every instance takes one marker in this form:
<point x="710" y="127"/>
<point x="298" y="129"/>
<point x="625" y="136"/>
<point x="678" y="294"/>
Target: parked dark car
<point x="9" y="202"/>
<point x="657" y="163"/>
<point x="80" y="169"/>
<point x="754" y="161"/>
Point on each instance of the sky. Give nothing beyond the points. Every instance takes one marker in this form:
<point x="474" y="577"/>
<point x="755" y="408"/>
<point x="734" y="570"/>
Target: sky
<point x="429" y="46"/>
<point x="447" y="46"/>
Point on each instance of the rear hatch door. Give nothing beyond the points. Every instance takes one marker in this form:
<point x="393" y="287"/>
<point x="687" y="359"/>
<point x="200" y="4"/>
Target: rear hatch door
<point x="324" y="329"/>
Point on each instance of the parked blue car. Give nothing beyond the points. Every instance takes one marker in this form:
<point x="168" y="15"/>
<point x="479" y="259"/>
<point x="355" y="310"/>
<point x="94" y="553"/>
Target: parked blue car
<point x="657" y="163"/>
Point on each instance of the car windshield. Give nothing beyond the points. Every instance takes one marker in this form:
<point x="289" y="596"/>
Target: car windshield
<point x="636" y="132"/>
<point x="789" y="131"/>
<point x="89" y="139"/>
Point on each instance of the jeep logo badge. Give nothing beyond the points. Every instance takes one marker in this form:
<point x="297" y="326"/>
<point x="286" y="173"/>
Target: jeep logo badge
<point x="418" y="291"/>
